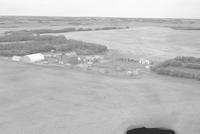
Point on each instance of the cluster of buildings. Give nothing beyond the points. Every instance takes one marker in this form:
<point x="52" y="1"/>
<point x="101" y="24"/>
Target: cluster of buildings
<point x="83" y="62"/>
<point x="70" y="58"/>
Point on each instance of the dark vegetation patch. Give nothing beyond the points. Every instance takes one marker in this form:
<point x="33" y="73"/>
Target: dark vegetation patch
<point x="46" y="43"/>
<point x="185" y="28"/>
<point x="144" y="130"/>
<point x="64" y="30"/>
<point x="17" y="36"/>
<point x="184" y="67"/>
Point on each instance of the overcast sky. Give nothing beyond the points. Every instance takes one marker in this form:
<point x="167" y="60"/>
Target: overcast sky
<point x="103" y="8"/>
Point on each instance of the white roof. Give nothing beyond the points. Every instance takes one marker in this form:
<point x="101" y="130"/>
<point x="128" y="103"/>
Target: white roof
<point x="34" y="57"/>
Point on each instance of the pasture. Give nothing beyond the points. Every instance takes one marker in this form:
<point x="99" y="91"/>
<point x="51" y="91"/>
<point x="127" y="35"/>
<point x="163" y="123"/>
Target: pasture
<point x="44" y="99"/>
<point x="52" y="100"/>
<point x="155" y="43"/>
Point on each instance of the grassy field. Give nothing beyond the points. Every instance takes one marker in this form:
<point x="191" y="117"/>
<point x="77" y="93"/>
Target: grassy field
<point x="42" y="99"/>
<point x="13" y="23"/>
<point x="54" y="100"/>
<point x="155" y="43"/>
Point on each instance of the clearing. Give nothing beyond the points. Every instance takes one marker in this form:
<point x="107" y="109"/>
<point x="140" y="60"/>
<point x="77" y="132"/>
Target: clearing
<point x="155" y="43"/>
<point x="43" y="99"/>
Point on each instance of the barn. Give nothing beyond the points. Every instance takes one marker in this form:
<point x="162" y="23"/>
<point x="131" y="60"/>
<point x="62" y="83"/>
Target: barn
<point x="33" y="57"/>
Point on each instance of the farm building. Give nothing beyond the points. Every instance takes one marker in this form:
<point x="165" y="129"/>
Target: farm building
<point x="16" y="58"/>
<point x="71" y="54"/>
<point x="33" y="57"/>
<point x="144" y="61"/>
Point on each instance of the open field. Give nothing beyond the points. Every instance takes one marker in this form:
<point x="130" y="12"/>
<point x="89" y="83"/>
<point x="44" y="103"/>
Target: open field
<point x="53" y="100"/>
<point x="15" y="23"/>
<point x="44" y="98"/>
<point x="155" y="43"/>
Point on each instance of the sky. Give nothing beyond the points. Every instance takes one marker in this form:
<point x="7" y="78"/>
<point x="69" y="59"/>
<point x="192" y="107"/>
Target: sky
<point x="103" y="8"/>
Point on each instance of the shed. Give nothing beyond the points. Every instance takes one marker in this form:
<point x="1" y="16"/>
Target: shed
<point x="16" y="58"/>
<point x="33" y="57"/>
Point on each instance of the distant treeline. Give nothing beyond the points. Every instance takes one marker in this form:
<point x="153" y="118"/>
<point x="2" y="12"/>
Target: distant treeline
<point x="46" y="43"/>
<point x="17" y="36"/>
<point x="27" y="35"/>
<point x="185" y="28"/>
<point x="177" y="63"/>
<point x="64" y="30"/>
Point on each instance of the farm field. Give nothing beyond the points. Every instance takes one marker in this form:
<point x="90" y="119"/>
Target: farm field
<point x="155" y="43"/>
<point x="15" y="23"/>
<point x="55" y="100"/>
<point x="45" y="98"/>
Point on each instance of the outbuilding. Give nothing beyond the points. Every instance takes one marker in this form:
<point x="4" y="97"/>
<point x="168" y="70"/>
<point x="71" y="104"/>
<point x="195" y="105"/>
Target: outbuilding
<point x="144" y="61"/>
<point x="16" y="58"/>
<point x="33" y="57"/>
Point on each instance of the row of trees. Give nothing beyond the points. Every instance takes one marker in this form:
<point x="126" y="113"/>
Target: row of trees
<point x="181" y="61"/>
<point x="64" y="30"/>
<point x="17" y="36"/>
<point x="46" y="43"/>
<point x="176" y="73"/>
<point x="177" y="63"/>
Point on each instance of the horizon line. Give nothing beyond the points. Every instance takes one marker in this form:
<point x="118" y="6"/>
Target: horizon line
<point x="100" y="17"/>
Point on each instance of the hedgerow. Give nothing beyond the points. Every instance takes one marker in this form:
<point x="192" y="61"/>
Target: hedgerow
<point x="178" y="64"/>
